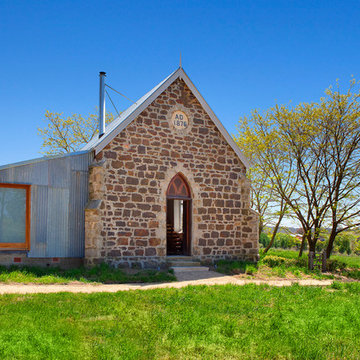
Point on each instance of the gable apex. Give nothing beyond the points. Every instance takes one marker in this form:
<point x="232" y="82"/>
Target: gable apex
<point x="130" y="114"/>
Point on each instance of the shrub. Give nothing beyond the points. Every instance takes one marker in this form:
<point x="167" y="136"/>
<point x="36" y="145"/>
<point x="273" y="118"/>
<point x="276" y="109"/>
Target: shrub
<point x="279" y="261"/>
<point x="356" y="247"/>
<point x="251" y="269"/>
<point x="344" y="242"/>
<point x="302" y="262"/>
<point x="354" y="274"/>
<point x="297" y="243"/>
<point x="321" y="245"/>
<point x="285" y="241"/>
<point x="232" y="267"/>
<point x="264" y="239"/>
<point x="337" y="285"/>
<point x="275" y="261"/>
<point x="335" y="265"/>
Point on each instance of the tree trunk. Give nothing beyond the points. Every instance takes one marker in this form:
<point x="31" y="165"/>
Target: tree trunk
<point x="323" y="263"/>
<point x="312" y="245"/>
<point x="274" y="233"/>
<point x="261" y="226"/>
<point x="330" y="245"/>
<point x="272" y="239"/>
<point x="312" y="248"/>
<point x="302" y="245"/>
<point x="283" y="208"/>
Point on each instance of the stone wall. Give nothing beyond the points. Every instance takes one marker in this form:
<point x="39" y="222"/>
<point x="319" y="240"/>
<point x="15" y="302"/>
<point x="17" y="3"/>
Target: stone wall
<point x="126" y="216"/>
<point x="94" y="236"/>
<point x="20" y="258"/>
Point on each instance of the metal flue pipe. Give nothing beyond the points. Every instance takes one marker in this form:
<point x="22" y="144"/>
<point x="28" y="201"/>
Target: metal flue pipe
<point x="102" y="104"/>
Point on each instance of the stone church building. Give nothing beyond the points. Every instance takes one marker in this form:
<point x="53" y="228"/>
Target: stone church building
<point x="164" y="179"/>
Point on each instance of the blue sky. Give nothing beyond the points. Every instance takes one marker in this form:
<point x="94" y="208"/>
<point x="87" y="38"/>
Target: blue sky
<point x="241" y="55"/>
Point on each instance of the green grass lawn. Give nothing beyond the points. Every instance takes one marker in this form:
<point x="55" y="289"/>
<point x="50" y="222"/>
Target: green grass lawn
<point x="350" y="260"/>
<point x="218" y="322"/>
<point x="286" y="264"/>
<point x="344" y="265"/>
<point x="101" y="274"/>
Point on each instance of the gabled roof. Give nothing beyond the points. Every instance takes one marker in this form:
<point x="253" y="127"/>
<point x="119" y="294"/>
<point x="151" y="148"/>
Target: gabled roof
<point x="131" y="113"/>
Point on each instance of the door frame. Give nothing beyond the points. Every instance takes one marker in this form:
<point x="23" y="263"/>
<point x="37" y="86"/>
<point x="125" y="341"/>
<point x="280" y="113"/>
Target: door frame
<point x="187" y="218"/>
<point x="185" y="195"/>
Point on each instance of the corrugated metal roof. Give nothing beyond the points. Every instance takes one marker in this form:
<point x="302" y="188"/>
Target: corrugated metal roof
<point x="40" y="159"/>
<point x="120" y="123"/>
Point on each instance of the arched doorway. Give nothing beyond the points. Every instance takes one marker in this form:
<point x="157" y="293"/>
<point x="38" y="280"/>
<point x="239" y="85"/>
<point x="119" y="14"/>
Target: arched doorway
<point x="178" y="217"/>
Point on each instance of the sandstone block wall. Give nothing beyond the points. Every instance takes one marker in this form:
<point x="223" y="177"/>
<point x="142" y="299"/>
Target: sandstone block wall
<point x="126" y="216"/>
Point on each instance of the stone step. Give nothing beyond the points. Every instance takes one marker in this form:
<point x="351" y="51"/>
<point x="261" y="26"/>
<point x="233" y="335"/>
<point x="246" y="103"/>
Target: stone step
<point x="184" y="263"/>
<point x="179" y="257"/>
<point x="189" y="268"/>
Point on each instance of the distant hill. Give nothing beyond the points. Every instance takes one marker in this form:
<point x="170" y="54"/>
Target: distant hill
<point x="284" y="229"/>
<point x="296" y="230"/>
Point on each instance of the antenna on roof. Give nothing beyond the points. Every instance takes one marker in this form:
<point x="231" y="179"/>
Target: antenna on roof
<point x="180" y="62"/>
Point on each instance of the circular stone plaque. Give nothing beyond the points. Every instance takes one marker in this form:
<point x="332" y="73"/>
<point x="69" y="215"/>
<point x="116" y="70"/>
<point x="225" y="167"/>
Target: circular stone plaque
<point x="180" y="120"/>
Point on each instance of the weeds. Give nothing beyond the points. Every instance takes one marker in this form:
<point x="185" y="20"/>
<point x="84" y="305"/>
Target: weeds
<point x="102" y="273"/>
<point x="286" y="263"/>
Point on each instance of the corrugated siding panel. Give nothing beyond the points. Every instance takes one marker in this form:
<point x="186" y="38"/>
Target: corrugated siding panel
<point x="78" y="200"/>
<point x="81" y="162"/>
<point x="59" y="173"/>
<point x="57" y="223"/>
<point x="32" y="174"/>
<point x="39" y="215"/>
<point x="59" y="194"/>
<point x="6" y="175"/>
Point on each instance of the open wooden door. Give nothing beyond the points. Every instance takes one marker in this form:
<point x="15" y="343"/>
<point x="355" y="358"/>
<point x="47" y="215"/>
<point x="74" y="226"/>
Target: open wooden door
<point x="178" y="217"/>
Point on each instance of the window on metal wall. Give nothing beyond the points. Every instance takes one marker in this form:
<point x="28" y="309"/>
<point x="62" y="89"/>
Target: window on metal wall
<point x="14" y="216"/>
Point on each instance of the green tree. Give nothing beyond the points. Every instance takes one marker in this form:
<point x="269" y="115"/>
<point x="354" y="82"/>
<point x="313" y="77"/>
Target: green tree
<point x="344" y="243"/>
<point x="340" y="126"/>
<point x="285" y="241"/>
<point x="260" y="142"/>
<point x="310" y="154"/>
<point x="65" y="134"/>
<point x="356" y="245"/>
<point x="265" y="199"/>
<point x="264" y="239"/>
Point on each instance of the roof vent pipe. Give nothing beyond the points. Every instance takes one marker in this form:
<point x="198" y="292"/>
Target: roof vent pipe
<point x="102" y="104"/>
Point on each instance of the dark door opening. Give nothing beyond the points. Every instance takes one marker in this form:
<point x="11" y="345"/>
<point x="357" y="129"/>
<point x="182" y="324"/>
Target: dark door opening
<point x="178" y="217"/>
<point x="178" y="226"/>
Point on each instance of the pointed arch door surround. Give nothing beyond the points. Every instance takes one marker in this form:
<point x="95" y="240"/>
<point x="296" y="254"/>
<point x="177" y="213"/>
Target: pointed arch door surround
<point x="178" y="216"/>
<point x="178" y="188"/>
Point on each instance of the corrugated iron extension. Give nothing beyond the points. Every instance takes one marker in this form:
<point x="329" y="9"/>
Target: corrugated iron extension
<point x="59" y="193"/>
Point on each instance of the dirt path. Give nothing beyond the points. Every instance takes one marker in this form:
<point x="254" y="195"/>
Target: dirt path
<point x="208" y="278"/>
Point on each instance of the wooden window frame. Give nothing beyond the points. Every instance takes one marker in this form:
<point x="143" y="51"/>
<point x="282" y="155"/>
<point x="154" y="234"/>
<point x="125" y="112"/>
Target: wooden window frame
<point x="26" y="244"/>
